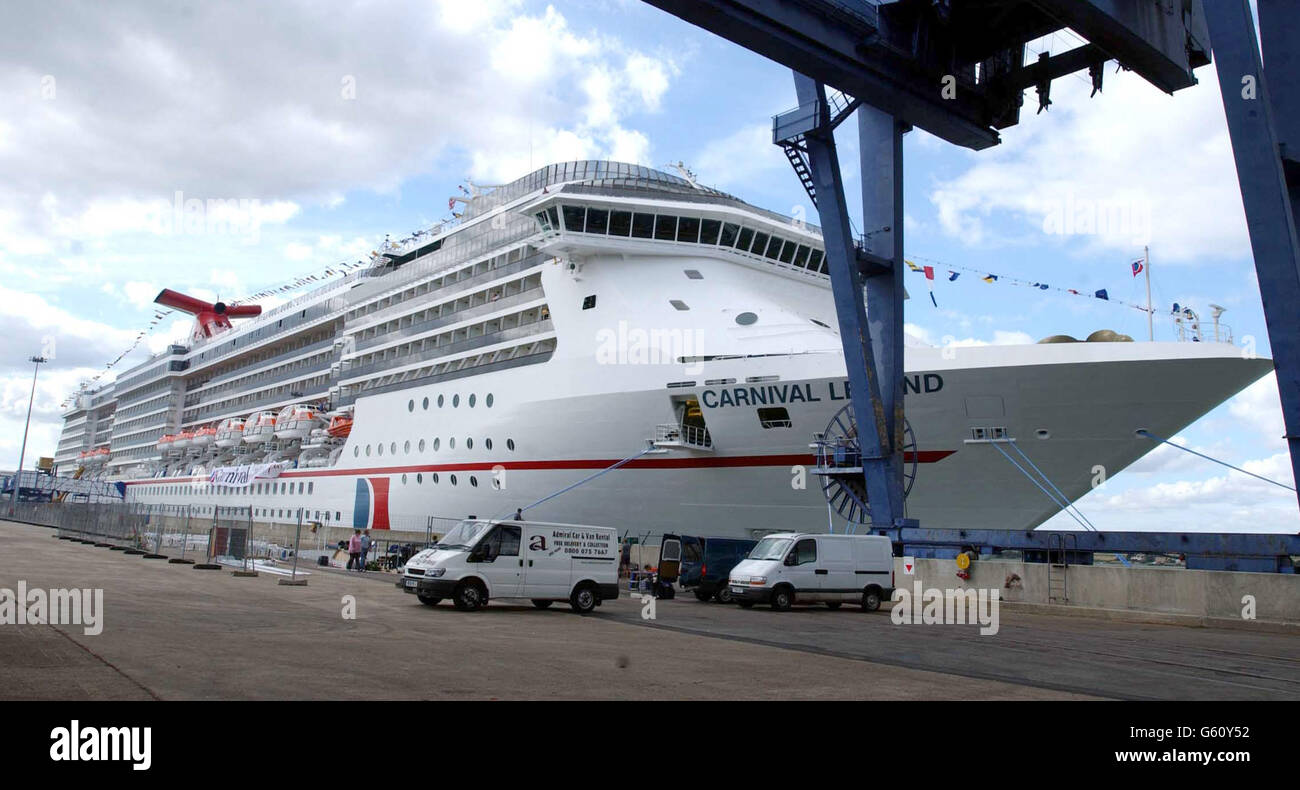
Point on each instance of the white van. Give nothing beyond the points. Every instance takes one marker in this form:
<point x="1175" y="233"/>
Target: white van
<point x="792" y="568"/>
<point x="480" y="560"/>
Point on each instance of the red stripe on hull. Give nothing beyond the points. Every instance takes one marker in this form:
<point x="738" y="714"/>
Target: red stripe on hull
<point x="728" y="461"/>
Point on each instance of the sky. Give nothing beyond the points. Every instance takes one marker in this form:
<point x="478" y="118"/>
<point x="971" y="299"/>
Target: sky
<point x="306" y="137"/>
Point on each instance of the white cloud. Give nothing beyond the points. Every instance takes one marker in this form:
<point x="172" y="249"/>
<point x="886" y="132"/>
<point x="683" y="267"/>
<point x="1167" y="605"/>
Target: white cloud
<point x="1129" y="167"/>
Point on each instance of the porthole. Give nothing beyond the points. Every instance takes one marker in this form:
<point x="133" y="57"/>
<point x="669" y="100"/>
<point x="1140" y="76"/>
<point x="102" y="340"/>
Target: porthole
<point x="455" y="401"/>
<point x="472" y="398"/>
<point x="435" y="478"/>
<point x="1043" y="433"/>
<point x="379" y="448"/>
<point x="487" y="443"/>
<point x="473" y="481"/>
<point x="469" y="443"/>
<point x="338" y="515"/>
<point x="421" y="445"/>
<point x="746" y="319"/>
<point x="367" y="451"/>
<point x="451" y="442"/>
<point x="488" y="401"/>
<point x="440" y="398"/>
<point x="426" y="404"/>
<point x="436" y="443"/>
<point x="302" y="488"/>
<point x="356" y="451"/>
<point x="311" y="487"/>
<point x="410" y="405"/>
<point x="392" y="448"/>
<point x="419" y="479"/>
<point x="403" y="479"/>
<point x="406" y="448"/>
<point x="453" y="479"/>
<point x="510" y="444"/>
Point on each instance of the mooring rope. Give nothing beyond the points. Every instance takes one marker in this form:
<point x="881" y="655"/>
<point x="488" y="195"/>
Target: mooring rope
<point x="1150" y="435"/>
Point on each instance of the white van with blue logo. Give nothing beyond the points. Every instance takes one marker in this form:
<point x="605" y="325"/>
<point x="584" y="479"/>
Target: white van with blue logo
<point x="795" y="568"/>
<point x="482" y="560"/>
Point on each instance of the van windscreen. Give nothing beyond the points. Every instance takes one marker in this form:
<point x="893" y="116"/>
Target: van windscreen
<point x="770" y="549"/>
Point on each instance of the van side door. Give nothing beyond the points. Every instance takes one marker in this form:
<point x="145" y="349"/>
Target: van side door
<point x="805" y="574"/>
<point x="499" y="561"/>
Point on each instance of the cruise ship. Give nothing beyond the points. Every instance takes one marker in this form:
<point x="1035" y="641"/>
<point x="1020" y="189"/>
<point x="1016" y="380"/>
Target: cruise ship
<point x="605" y="343"/>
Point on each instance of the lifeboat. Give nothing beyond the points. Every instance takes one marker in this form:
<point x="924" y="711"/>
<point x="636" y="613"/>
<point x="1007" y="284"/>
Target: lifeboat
<point x="297" y="422"/>
<point x="230" y="432"/>
<point x="183" y="440"/>
<point x="166" y="442"/>
<point x="260" y="428"/>
<point x="204" y="436"/>
<point x="340" y="426"/>
<point x="102" y="455"/>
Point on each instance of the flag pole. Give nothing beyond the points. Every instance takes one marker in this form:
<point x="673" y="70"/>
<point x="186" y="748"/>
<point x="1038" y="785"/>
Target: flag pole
<point x="1146" y="267"/>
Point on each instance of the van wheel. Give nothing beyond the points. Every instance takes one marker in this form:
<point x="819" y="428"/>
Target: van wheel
<point x="702" y="596"/>
<point x="782" y="599"/>
<point x="870" y="599"/>
<point x="583" y="599"/>
<point x="540" y="604"/>
<point x="833" y="605"/>
<point x="429" y="600"/>
<point x="469" y="597"/>
<point x="723" y="594"/>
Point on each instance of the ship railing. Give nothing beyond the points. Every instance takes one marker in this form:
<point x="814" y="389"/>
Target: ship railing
<point x="673" y="433"/>
<point x="487" y="308"/>
<point x="1196" y="330"/>
<point x="523" y="331"/>
<point x="837" y="453"/>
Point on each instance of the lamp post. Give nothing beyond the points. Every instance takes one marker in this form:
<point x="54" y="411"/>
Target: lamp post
<point x="18" y="475"/>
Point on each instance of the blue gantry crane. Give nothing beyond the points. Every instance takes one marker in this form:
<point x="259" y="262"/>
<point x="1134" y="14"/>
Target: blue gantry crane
<point x="958" y="69"/>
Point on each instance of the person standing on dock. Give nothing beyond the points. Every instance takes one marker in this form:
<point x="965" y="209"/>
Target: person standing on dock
<point x="365" y="550"/>
<point x="354" y="550"/>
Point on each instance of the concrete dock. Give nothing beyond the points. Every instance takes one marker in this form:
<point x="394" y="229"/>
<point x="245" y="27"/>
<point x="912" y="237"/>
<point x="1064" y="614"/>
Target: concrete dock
<point x="171" y="632"/>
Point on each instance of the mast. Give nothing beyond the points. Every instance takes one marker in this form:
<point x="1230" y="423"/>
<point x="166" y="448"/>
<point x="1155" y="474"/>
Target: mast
<point x="1146" y="267"/>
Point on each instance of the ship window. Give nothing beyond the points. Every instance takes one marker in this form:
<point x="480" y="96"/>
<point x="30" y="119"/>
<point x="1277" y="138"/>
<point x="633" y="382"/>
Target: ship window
<point x="589" y="302"/>
<point x="510" y="444"/>
<point x="380" y="449"/>
<point x="473" y="481"/>
<point x="665" y="227"/>
<point x="410" y="405"/>
<point x="455" y="401"/>
<point x="436" y="443"/>
<point x="488" y="401"/>
<point x="745" y="238"/>
<point x="406" y="448"/>
<point x="820" y="323"/>
<point x="472" y="398"/>
<point x="760" y="243"/>
<point x="679" y="304"/>
<point x="439" y="401"/>
<point x="692" y="274"/>
<point x="426" y="404"/>
<point x="801" y="256"/>
<point x="367" y="451"/>
<point x="311" y="488"/>
<point x="392" y="448"/>
<point x="541" y="219"/>
<point x="709" y="231"/>
<point x="643" y="226"/>
<point x="419" y="479"/>
<point x="815" y="261"/>
<point x="403" y="479"/>
<point x="421" y="445"/>
<point x="451" y="442"/>
<point x="746" y="318"/>
<point x="338" y="515"/>
<point x="688" y="229"/>
<point x="729" y="233"/>
<point x="487" y="443"/>
<point x="573" y="217"/>
<point x="597" y="220"/>
<point x="453" y="479"/>
<point x="435" y="478"/>
<point x="551" y="214"/>
<point x="787" y="252"/>
<point x="620" y="223"/>
<point x="356" y="451"/>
